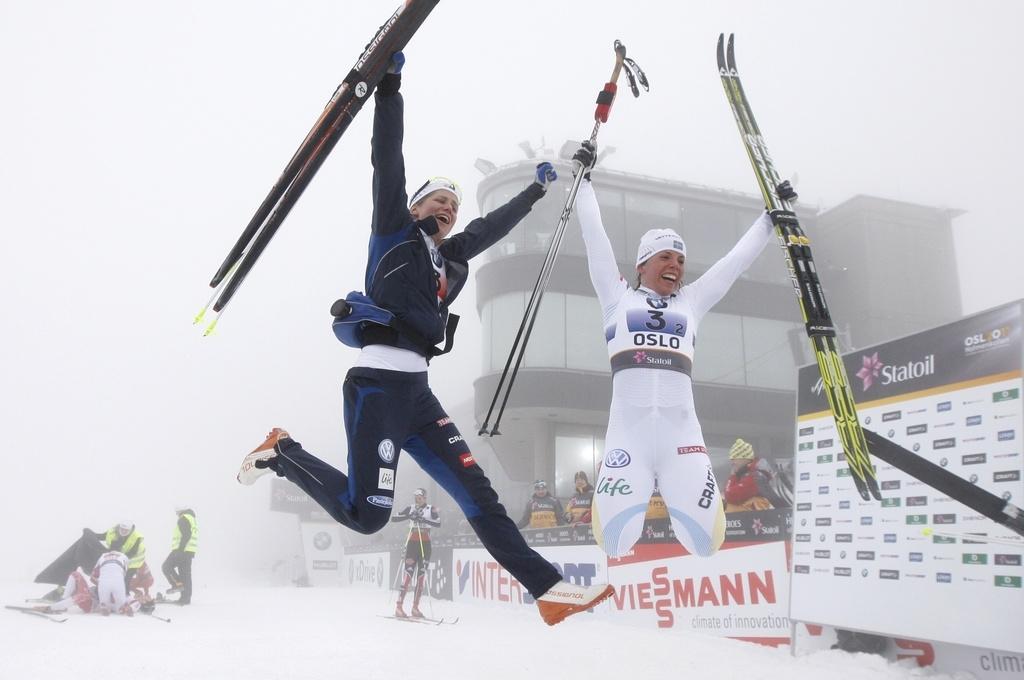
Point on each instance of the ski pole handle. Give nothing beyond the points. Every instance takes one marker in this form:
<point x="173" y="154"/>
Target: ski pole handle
<point x="604" y="102"/>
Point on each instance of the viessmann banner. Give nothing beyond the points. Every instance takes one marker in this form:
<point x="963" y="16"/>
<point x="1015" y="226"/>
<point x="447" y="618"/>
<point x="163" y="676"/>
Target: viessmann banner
<point x="951" y="395"/>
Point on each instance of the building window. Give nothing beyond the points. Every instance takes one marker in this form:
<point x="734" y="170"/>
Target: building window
<point x="506" y="313"/>
<point x="576" y="448"/>
<point x="584" y="336"/>
<point x="709" y="231"/>
<point x="718" y="353"/>
<point x="648" y="211"/>
<point x="546" y="347"/>
<point x="769" y="358"/>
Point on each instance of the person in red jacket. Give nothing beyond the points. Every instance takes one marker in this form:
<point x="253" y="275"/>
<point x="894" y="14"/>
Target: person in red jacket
<point x="750" y="482"/>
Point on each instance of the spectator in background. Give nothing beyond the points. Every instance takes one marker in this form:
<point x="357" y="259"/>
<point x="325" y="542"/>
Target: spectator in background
<point x="542" y="511"/>
<point x="577" y="510"/>
<point x="749" y="486"/>
<point x="178" y="565"/>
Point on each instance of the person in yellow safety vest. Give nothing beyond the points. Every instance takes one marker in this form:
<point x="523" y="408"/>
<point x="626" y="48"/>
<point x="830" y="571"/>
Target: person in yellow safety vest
<point x="124" y="538"/>
<point x="542" y="510"/>
<point x="178" y="565"/>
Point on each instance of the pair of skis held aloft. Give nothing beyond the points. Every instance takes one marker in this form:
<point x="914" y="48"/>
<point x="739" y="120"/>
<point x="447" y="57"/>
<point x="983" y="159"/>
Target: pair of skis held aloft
<point x="857" y="442"/>
<point x="804" y="276"/>
<point x="343" y="106"/>
<point x="605" y="98"/>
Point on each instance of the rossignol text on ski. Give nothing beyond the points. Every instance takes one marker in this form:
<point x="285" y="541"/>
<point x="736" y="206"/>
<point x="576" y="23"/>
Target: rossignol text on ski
<point x="343" y="106"/>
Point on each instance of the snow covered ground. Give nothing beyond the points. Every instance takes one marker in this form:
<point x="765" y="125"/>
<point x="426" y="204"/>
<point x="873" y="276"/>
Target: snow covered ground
<point x="311" y="633"/>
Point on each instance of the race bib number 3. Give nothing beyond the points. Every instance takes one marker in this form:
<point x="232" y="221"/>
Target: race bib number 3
<point x="656" y="321"/>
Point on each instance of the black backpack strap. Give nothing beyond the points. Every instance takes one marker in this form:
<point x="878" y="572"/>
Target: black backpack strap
<point x="430" y="350"/>
<point x="341" y="309"/>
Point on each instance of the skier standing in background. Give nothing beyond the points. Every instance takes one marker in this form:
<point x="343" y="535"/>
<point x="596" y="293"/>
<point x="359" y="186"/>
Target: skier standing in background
<point x="423" y="517"/>
<point x="653" y="434"/>
<point x="415" y="271"/>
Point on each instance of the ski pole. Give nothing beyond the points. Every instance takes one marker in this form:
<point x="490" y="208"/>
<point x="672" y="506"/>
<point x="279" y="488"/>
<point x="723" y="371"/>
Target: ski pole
<point x="605" y="99"/>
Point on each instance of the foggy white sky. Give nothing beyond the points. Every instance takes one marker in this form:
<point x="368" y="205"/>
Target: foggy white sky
<point x="138" y="138"/>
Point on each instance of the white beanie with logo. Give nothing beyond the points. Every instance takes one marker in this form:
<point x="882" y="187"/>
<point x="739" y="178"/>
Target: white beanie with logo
<point x="657" y="240"/>
<point x="436" y="184"/>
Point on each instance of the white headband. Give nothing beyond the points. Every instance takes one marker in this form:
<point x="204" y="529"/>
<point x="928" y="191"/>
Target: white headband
<point x="657" y="240"/>
<point x="436" y="184"/>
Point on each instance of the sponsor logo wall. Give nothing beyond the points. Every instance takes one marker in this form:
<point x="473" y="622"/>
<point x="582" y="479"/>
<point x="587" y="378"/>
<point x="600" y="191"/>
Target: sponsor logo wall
<point x="953" y="396"/>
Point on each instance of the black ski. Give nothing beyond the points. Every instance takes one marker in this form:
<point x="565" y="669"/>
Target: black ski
<point x="796" y="246"/>
<point x="343" y="106"/>
<point x="34" y="611"/>
<point x="411" y="619"/>
<point x="988" y="504"/>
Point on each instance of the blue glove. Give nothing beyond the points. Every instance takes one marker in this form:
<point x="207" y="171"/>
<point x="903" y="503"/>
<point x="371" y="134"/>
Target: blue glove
<point x="397" y="62"/>
<point x="545" y="175"/>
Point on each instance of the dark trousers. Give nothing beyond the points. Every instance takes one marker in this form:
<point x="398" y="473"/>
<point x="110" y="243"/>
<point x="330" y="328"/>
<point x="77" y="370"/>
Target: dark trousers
<point x="178" y="570"/>
<point x="386" y="412"/>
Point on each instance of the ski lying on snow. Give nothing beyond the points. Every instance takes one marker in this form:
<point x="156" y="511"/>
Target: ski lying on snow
<point x="434" y="622"/>
<point x="49" y="616"/>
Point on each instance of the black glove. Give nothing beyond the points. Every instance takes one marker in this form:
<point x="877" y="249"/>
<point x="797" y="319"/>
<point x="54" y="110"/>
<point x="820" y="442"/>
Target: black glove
<point x="392" y="80"/>
<point x="587" y="157"/>
<point x="785" y="191"/>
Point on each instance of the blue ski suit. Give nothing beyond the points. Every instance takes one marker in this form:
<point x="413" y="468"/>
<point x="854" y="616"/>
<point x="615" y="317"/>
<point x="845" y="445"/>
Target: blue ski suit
<point x="387" y="411"/>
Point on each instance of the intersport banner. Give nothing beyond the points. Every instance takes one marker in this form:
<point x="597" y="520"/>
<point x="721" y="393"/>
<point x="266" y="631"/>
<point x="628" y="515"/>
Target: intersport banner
<point x="742" y="591"/>
<point x="479" y="578"/>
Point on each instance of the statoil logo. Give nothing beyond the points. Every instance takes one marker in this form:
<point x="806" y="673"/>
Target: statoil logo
<point x="874" y="370"/>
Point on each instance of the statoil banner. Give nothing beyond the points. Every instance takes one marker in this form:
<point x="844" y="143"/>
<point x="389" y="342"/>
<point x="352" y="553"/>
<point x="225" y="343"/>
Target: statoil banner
<point x="951" y="395"/>
<point x="740" y="592"/>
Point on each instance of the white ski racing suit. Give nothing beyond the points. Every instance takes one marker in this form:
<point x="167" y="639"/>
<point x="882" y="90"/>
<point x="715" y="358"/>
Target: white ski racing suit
<point x="653" y="433"/>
